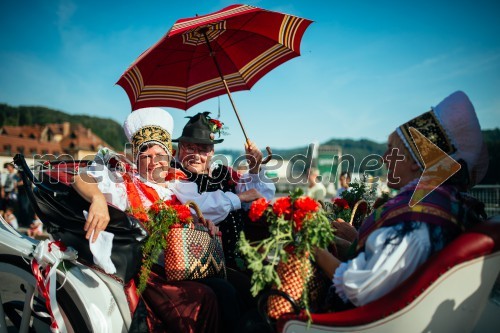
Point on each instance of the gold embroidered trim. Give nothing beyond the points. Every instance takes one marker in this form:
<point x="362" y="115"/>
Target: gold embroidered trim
<point x="431" y="128"/>
<point x="152" y="133"/>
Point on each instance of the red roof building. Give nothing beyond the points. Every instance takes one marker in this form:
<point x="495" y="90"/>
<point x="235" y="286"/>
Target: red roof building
<point x="50" y="141"/>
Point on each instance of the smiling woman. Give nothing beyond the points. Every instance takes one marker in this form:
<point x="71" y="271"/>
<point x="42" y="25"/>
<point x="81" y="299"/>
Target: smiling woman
<point x="153" y="159"/>
<point x="193" y="306"/>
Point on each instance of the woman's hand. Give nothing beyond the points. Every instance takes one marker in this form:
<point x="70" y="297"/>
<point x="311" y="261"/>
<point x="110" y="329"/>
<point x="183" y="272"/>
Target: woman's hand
<point x="326" y="261"/>
<point x="212" y="228"/>
<point x="98" y="217"/>
<point x="254" y="157"/>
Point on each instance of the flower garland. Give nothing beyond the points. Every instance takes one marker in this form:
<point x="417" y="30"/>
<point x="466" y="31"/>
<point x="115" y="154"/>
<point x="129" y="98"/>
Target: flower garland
<point x="296" y="226"/>
<point x="158" y="220"/>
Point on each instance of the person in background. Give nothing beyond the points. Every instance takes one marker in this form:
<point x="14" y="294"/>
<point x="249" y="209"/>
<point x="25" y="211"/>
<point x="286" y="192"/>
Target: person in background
<point x="9" y="188"/>
<point x="315" y="189"/>
<point x="36" y="227"/>
<point x="10" y="218"/>
<point x="396" y="239"/>
<point x="344" y="180"/>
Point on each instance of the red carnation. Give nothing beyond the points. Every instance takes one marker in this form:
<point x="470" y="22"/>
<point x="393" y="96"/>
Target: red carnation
<point x="156" y="207"/>
<point x="298" y="218"/>
<point x="290" y="248"/>
<point x="217" y="123"/>
<point x="282" y="206"/>
<point x="183" y="213"/>
<point x="341" y="203"/>
<point x="257" y="209"/>
<point x="306" y="204"/>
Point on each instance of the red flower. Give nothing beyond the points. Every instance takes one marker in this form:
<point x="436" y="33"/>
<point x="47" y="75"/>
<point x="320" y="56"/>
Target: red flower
<point x="290" y="248"/>
<point x="156" y="207"/>
<point x="341" y="203"/>
<point x="183" y="213"/>
<point x="218" y="124"/>
<point x="306" y="204"/>
<point x="298" y="218"/>
<point x="257" y="209"/>
<point x="141" y="216"/>
<point x="173" y="201"/>
<point x="282" y="206"/>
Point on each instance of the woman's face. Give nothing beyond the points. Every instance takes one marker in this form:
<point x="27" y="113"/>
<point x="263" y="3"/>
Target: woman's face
<point x="153" y="164"/>
<point x="196" y="157"/>
<point x="401" y="167"/>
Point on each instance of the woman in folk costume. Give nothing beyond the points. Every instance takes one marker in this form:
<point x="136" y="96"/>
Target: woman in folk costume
<point x="181" y="306"/>
<point x="196" y="149"/>
<point x="401" y="235"/>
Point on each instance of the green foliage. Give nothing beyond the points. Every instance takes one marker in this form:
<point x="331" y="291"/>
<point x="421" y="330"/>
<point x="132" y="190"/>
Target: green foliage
<point x="289" y="234"/>
<point x="107" y="129"/>
<point x="360" y="190"/>
<point x="159" y="221"/>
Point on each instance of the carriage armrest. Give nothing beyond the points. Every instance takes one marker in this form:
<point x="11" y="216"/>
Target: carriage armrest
<point x="479" y="241"/>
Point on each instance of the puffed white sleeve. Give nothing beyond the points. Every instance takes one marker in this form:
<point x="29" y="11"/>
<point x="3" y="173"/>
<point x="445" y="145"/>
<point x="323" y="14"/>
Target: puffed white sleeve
<point x="110" y="183"/>
<point x="258" y="181"/>
<point x="215" y="206"/>
<point x="381" y="267"/>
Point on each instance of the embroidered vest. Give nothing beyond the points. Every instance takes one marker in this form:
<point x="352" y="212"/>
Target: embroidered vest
<point x="441" y="207"/>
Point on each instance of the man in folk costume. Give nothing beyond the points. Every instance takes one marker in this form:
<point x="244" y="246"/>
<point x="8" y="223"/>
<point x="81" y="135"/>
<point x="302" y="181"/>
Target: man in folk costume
<point x="401" y="235"/>
<point x="180" y="306"/>
<point x="195" y="150"/>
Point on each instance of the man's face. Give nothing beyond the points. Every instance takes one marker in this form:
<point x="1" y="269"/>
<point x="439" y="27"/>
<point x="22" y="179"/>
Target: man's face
<point x="153" y="163"/>
<point x="195" y="157"/>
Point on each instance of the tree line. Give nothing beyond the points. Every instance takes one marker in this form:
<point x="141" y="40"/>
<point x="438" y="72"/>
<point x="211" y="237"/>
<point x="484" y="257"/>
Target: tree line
<point x="107" y="129"/>
<point x="112" y="133"/>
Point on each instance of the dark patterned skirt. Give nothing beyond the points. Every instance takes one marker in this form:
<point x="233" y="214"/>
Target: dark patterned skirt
<point x="179" y="306"/>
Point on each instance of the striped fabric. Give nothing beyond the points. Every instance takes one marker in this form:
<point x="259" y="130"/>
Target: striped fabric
<point x="179" y="70"/>
<point x="438" y="208"/>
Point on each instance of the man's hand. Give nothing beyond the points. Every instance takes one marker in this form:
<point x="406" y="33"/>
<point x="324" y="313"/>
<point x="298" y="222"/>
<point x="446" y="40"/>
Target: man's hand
<point x="250" y="195"/>
<point x="254" y="157"/>
<point x="212" y="228"/>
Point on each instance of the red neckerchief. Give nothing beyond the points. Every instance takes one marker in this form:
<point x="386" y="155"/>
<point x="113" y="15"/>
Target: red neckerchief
<point x="134" y="197"/>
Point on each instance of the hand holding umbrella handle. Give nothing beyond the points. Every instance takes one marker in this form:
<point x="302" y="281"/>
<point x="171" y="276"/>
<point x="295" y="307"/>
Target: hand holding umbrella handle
<point x="269" y="156"/>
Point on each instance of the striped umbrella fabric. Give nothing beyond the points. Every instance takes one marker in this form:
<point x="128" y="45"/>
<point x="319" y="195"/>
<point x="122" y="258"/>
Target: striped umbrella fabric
<point x="179" y="70"/>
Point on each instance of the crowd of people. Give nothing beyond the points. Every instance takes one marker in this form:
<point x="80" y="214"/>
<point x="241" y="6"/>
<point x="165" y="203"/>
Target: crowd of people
<point x="390" y="245"/>
<point x="15" y="207"/>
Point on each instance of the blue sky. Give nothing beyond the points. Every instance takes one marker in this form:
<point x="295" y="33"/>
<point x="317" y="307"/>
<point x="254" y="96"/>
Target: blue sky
<point x="366" y="66"/>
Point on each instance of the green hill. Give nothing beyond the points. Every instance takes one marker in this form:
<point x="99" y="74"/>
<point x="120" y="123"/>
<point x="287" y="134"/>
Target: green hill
<point x="112" y="132"/>
<point x="107" y="129"/>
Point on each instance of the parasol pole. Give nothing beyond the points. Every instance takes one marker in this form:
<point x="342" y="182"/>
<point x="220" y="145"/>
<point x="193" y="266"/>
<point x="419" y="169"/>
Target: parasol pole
<point x="212" y="54"/>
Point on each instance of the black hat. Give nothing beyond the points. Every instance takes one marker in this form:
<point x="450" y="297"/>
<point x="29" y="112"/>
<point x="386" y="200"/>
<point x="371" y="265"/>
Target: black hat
<point x="201" y="129"/>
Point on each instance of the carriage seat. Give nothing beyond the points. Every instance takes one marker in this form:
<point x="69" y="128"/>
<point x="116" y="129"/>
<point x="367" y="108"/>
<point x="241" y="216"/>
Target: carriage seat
<point x="448" y="294"/>
<point x="61" y="208"/>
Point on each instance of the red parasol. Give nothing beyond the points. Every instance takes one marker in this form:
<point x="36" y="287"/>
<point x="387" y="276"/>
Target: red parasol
<point x="210" y="55"/>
